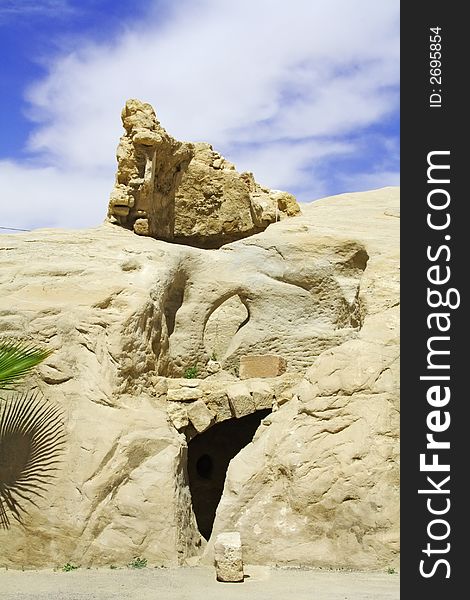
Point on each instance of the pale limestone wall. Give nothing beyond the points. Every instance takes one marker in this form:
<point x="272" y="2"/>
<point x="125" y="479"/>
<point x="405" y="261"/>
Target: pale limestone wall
<point x="126" y="315"/>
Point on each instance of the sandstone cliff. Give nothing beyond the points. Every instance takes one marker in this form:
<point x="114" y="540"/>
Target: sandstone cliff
<point x="186" y="193"/>
<point x="128" y="315"/>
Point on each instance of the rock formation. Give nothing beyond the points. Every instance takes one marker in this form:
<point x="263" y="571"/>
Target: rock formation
<point x="130" y="318"/>
<point x="186" y="193"/>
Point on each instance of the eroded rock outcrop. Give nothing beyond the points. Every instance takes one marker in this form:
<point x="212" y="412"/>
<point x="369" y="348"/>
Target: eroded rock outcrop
<point x="186" y="193"/>
<point x="127" y="316"/>
<point x="324" y="489"/>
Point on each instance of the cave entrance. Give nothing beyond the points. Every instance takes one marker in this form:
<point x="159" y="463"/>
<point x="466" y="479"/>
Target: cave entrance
<point x="209" y="454"/>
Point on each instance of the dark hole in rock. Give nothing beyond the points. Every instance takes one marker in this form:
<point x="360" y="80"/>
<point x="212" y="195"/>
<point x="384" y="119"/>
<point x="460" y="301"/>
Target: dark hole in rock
<point x="209" y="454"/>
<point x="204" y="466"/>
<point x="358" y="260"/>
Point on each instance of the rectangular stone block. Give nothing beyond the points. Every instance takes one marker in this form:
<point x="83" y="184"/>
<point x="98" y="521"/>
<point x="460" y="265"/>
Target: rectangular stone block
<point x="200" y="416"/>
<point x="189" y="383"/>
<point x="228" y="557"/>
<point x="217" y="401"/>
<point x="262" y="365"/>
<point x="185" y="394"/>
<point x="262" y="394"/>
<point x="241" y="401"/>
<point x="179" y="382"/>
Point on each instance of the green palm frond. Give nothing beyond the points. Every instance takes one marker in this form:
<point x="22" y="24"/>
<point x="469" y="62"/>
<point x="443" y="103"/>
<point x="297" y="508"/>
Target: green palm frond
<point x="32" y="439"/>
<point x="17" y="358"/>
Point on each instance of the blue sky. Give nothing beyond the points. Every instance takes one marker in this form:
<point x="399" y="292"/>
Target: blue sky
<point x="305" y="94"/>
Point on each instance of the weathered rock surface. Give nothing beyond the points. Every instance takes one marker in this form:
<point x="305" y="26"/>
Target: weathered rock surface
<point x="126" y="316"/>
<point x="319" y="485"/>
<point x="186" y="193"/>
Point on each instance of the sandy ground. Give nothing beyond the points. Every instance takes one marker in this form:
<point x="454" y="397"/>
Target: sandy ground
<point x="194" y="583"/>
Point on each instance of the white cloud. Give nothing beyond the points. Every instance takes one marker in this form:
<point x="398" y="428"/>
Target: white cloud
<point x="370" y="181"/>
<point x="282" y="164"/>
<point x="290" y="77"/>
<point x="51" y="197"/>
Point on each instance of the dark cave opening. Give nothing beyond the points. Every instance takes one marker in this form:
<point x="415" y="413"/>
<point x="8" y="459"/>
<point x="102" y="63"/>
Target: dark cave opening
<point x="209" y="454"/>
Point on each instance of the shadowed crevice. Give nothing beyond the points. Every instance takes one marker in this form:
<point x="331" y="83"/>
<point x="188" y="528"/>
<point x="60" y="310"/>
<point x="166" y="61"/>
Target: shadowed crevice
<point x="209" y="455"/>
<point x="174" y="300"/>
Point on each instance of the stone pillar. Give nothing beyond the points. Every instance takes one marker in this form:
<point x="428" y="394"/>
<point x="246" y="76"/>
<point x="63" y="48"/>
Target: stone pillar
<point x="150" y="166"/>
<point x="228" y="557"/>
